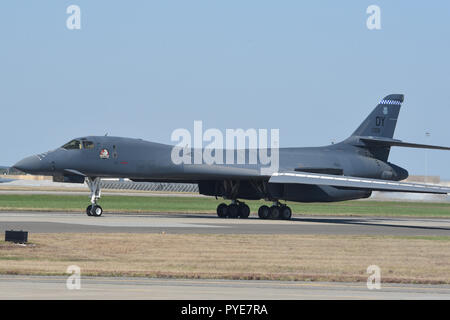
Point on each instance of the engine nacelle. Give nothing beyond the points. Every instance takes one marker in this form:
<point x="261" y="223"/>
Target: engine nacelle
<point x="314" y="193"/>
<point x="397" y="173"/>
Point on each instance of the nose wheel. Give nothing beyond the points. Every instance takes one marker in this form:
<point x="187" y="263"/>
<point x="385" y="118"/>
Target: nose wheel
<point x="94" y="210"/>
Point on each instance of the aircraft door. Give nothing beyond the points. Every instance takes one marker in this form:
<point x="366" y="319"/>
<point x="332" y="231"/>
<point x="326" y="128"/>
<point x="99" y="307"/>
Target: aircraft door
<point x="115" y="154"/>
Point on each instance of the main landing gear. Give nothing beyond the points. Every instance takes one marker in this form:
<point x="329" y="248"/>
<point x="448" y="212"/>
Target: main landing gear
<point x="236" y="209"/>
<point x="94" y="209"/>
<point x="239" y="209"/>
<point x="277" y="211"/>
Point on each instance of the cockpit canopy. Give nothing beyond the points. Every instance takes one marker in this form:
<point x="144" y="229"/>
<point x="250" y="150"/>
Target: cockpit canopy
<point x="78" y="144"/>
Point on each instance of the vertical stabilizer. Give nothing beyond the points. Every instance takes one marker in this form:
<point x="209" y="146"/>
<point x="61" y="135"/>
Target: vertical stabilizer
<point x="383" y="119"/>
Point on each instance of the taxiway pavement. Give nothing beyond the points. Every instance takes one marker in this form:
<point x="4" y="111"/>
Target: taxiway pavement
<point x="55" y="222"/>
<point x="40" y="287"/>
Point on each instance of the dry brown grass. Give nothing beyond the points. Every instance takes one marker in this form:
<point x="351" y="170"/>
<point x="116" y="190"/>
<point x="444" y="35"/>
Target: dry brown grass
<point x="282" y="257"/>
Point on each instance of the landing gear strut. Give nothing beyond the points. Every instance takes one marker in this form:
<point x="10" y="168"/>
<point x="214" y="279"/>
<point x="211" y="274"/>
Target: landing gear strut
<point x="94" y="209"/>
<point x="236" y="209"/>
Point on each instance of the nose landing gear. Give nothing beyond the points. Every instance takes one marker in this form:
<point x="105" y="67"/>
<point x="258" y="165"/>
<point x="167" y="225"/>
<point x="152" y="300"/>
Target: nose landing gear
<point x="94" y="210"/>
<point x="94" y="186"/>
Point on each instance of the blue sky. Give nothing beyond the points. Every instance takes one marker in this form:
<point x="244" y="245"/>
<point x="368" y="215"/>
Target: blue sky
<point x="144" y="68"/>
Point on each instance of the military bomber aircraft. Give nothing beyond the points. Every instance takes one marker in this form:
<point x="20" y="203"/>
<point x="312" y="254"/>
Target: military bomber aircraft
<point x="351" y="169"/>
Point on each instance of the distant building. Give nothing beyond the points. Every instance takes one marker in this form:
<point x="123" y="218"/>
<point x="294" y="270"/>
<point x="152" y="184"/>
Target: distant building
<point x="425" y="179"/>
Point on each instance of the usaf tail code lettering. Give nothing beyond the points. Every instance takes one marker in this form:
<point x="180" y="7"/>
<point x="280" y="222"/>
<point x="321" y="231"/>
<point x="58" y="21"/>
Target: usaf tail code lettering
<point x="379" y="121"/>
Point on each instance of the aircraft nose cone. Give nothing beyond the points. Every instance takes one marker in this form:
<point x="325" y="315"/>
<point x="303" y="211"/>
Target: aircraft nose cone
<point x="29" y="165"/>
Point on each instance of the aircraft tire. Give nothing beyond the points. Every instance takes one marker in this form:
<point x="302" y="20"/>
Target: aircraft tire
<point x="285" y="213"/>
<point x="263" y="212"/>
<point x="244" y="211"/>
<point x="222" y="210"/>
<point x="88" y="210"/>
<point x="233" y="211"/>
<point x="96" y="211"/>
<point x="274" y="212"/>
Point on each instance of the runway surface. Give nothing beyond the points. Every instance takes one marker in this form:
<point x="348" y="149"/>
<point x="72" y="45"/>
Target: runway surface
<point x="36" y="287"/>
<point x="51" y="222"/>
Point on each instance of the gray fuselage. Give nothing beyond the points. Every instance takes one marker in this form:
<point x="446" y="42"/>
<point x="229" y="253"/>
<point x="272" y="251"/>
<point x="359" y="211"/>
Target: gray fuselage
<point x="139" y="160"/>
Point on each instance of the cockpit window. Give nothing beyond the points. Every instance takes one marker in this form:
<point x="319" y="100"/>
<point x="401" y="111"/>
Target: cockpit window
<point x="74" y="144"/>
<point x="88" y="145"/>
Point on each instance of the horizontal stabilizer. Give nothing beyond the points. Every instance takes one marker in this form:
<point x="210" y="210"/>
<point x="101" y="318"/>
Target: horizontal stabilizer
<point x="387" y="142"/>
<point x="355" y="182"/>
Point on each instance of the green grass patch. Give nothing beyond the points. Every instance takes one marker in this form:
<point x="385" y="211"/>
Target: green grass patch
<point x="119" y="203"/>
